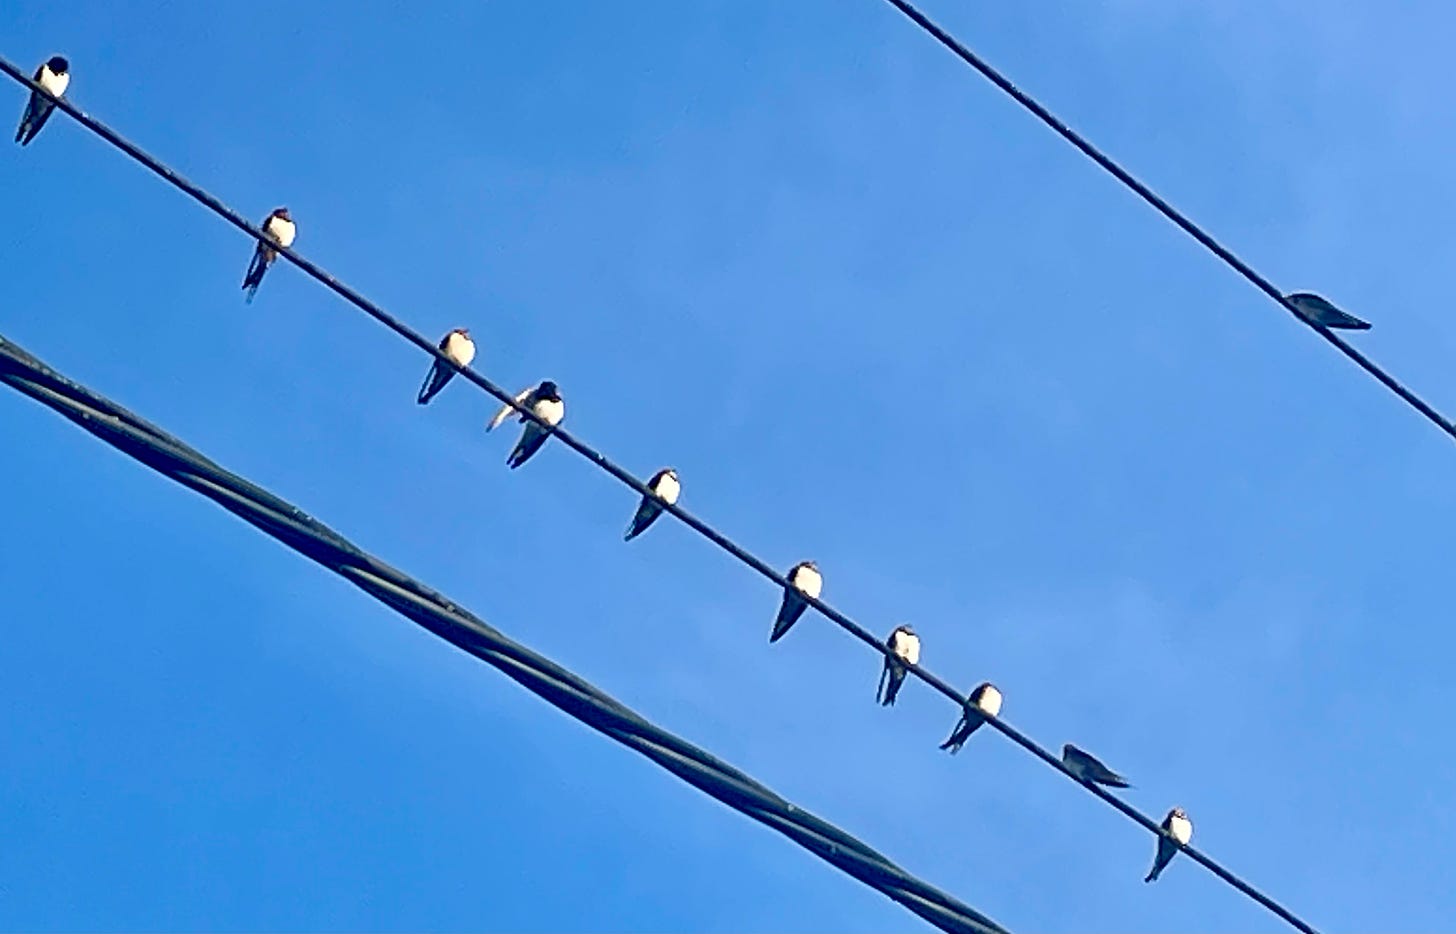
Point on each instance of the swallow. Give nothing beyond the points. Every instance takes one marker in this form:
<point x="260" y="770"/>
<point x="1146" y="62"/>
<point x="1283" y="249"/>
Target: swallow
<point x="54" y="76"/>
<point x="1320" y="311"/>
<point x="544" y="401"/>
<point x="1177" y="831"/>
<point x="804" y="578"/>
<point x="281" y="230"/>
<point x="663" y="486"/>
<point x="460" y="349"/>
<point x="985" y="699"/>
<point x="1085" y="767"/>
<point x="904" y="647"/>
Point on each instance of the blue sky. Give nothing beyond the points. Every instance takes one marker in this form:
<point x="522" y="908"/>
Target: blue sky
<point x="875" y="315"/>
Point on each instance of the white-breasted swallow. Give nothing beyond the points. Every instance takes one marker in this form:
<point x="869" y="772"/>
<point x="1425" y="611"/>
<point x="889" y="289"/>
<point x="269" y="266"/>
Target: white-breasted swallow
<point x="804" y="578"/>
<point x="54" y="76"/>
<point x="1311" y="307"/>
<point x="1088" y="768"/>
<point x="280" y="228"/>
<point x="456" y="345"/>
<point x="985" y="699"/>
<point x="545" y="402"/>
<point x="904" y="647"/>
<point x="1177" y="831"/>
<point x="664" y="486"/>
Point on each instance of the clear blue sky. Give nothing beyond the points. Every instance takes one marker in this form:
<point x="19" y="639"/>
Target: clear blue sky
<point x="876" y="316"/>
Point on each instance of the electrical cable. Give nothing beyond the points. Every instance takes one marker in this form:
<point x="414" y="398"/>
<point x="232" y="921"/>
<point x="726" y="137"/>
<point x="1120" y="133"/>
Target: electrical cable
<point x="1170" y="212"/>
<point x="561" y="688"/>
<point x="596" y="457"/>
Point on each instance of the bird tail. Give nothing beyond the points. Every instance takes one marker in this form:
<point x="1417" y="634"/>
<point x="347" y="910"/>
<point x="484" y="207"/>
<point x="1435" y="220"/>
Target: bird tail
<point x="1153" y="873"/>
<point x="530" y="443"/>
<point x="20" y="131"/>
<point x="955" y="742"/>
<point x="262" y="257"/>
<point x="1113" y="780"/>
<point x="646" y="514"/>
<point x="891" y="677"/>
<point x="433" y="383"/>
<point x="789" y="613"/>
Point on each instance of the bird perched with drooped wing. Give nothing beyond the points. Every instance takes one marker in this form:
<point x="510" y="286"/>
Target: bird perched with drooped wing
<point x="542" y="400"/>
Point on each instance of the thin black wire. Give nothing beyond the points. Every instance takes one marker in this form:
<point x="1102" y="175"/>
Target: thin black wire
<point x="697" y="525"/>
<point x="1170" y="212"/>
<point x="171" y="457"/>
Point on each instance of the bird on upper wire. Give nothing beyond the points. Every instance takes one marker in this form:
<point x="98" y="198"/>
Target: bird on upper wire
<point x="544" y="401"/>
<point x="1177" y="830"/>
<point x="985" y="699"/>
<point x="1321" y="311"/>
<point x="804" y="580"/>
<point x="460" y="350"/>
<point x="904" y="646"/>
<point x="1087" y="768"/>
<point x="663" y="486"/>
<point x="55" y="76"/>
<point x="280" y="228"/>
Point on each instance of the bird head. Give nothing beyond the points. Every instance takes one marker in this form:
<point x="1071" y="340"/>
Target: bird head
<point x="58" y="65"/>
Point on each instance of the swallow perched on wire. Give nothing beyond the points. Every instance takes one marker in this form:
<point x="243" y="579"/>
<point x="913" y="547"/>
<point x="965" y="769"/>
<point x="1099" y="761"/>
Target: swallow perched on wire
<point x="985" y="699"/>
<point x="544" y="401"/>
<point x="54" y="75"/>
<point x="460" y="349"/>
<point x="663" y="486"/>
<point x="281" y="230"/>
<point x="804" y="579"/>
<point x="1177" y="831"/>
<point x="904" y="647"/>
<point x="1085" y="767"/>
<point x="1323" y="312"/>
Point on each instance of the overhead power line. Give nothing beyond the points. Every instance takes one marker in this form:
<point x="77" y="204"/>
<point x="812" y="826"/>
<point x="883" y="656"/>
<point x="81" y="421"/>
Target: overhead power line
<point x="561" y="688"/>
<point x="1170" y="212"/>
<point x="600" y="460"/>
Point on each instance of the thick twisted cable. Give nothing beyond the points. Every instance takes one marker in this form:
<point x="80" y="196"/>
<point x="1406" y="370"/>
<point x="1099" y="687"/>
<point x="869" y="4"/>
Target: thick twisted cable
<point x="1168" y="211"/>
<point x="407" y="596"/>
<point x="693" y="522"/>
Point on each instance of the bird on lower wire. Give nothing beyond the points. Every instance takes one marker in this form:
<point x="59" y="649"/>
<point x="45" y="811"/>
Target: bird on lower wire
<point x="663" y="486"/>
<point x="985" y="699"/>
<point x="804" y="580"/>
<point x="55" y="76"/>
<point x="1177" y="830"/>
<point x="904" y="646"/>
<point x="281" y="229"/>
<point x="1087" y="768"/>
<point x="460" y="350"/>
<point x="543" y="401"/>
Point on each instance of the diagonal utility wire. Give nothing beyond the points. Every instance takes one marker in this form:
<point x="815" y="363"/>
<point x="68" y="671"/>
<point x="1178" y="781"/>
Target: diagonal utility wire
<point x="1170" y="212"/>
<point x="596" y="457"/>
<point x="407" y="596"/>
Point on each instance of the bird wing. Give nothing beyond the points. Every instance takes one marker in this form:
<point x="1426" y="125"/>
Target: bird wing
<point x="506" y="410"/>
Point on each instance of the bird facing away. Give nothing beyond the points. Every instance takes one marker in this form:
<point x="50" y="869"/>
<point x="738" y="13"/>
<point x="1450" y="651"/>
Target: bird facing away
<point x="664" y="485"/>
<point x="457" y="346"/>
<point x="985" y="699"/>
<point x="804" y="579"/>
<point x="281" y="230"/>
<point x="54" y="76"/>
<point x="1177" y="831"/>
<point x="543" y="401"/>
<point x="904" y="647"/>
<point x="1313" y="308"/>
<point x="1085" y="767"/>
